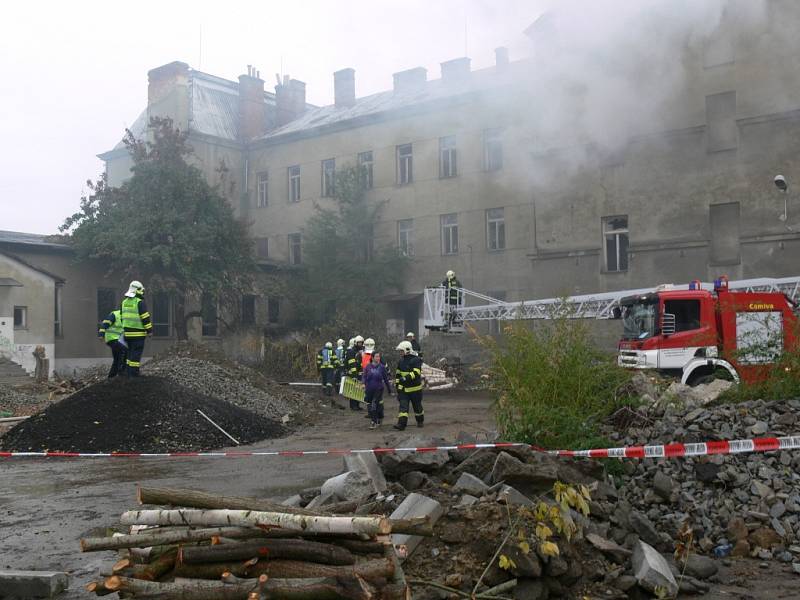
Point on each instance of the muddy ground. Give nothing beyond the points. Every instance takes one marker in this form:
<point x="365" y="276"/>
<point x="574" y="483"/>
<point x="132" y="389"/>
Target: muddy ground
<point x="47" y="505"/>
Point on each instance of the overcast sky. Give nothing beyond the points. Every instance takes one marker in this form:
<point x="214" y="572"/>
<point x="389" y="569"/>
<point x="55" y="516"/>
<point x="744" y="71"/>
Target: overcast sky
<point x="73" y="75"/>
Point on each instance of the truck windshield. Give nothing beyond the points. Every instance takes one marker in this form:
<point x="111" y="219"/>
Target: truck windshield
<point x="639" y="320"/>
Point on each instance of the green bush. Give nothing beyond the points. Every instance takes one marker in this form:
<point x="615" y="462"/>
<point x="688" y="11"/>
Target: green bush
<point x="552" y="385"/>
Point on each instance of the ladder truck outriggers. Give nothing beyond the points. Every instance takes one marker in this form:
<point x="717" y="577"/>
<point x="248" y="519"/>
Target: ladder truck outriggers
<point x="696" y="331"/>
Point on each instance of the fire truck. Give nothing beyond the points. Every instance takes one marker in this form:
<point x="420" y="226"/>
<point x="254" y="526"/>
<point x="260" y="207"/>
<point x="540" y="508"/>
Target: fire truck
<point x="696" y="331"/>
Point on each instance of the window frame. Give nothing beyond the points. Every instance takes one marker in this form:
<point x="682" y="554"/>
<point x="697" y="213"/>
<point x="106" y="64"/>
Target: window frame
<point x="273" y="309"/>
<point x="23" y="311"/>
<point x="617" y="235"/>
<point x="328" y="178"/>
<point x="492" y="138"/>
<point x="299" y="245"/>
<point x="258" y="244"/>
<point x="405" y="164"/>
<point x="365" y="163"/>
<point x="448" y="157"/>
<point x="58" y="317"/>
<point x="293" y="174"/>
<point x="250" y="313"/>
<point x="696" y="312"/>
<point x="499" y="227"/>
<point x="154" y="313"/>
<point x="405" y="237"/>
<point x="449" y="234"/>
<point x="262" y="189"/>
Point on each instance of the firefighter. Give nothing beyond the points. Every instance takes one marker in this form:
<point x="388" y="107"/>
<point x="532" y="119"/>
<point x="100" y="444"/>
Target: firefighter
<point x="451" y="284"/>
<point x="414" y="343"/>
<point x="326" y="366"/>
<point x="340" y="363"/>
<point x="111" y="332"/>
<point x="408" y="382"/>
<point x="366" y="355"/>
<point x="136" y="325"/>
<point x="354" y="366"/>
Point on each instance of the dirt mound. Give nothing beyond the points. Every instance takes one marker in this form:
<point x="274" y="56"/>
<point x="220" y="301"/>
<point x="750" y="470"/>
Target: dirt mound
<point x="149" y="414"/>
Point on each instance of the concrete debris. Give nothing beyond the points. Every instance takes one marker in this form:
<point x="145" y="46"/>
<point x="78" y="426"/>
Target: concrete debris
<point x="32" y="584"/>
<point x="614" y="551"/>
<point x="529" y="479"/>
<point x="351" y="485"/>
<point x="652" y="571"/>
<point x="368" y="465"/>
<point x="403" y="462"/>
<point x="415" y="505"/>
<point x="509" y="495"/>
<point x="470" y="484"/>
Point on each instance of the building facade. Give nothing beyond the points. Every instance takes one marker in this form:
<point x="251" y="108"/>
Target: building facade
<point x="472" y="183"/>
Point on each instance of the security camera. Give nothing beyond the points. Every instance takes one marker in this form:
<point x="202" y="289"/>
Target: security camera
<point x="780" y="183"/>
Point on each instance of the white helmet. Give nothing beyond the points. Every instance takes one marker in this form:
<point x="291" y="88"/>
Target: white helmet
<point x="351" y="343"/>
<point x="340" y="342"/>
<point x="369" y="345"/>
<point x="404" y="347"/>
<point x="410" y="334"/>
<point x="450" y="274"/>
<point x="358" y="339"/>
<point x="328" y="345"/>
<point x="135" y="288"/>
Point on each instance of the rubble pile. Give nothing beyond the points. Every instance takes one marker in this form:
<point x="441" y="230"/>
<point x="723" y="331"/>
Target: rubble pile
<point x="12" y="399"/>
<point x="148" y="414"/>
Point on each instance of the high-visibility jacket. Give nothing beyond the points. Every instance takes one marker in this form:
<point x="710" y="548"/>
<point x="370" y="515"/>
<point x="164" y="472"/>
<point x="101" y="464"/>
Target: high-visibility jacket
<point x="452" y="284"/>
<point x="111" y="327"/>
<point x="408" y="375"/>
<point x="135" y="318"/>
<point x="353" y="361"/>
<point x="326" y="359"/>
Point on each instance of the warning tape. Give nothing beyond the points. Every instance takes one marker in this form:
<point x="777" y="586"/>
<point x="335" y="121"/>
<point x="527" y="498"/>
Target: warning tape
<point x="675" y="450"/>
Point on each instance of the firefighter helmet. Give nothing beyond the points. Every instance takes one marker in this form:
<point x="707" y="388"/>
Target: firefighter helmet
<point x="404" y="347"/>
<point x="450" y="274"/>
<point x="410" y="334"/>
<point x="135" y="289"/>
<point x="369" y="345"/>
<point x="328" y="345"/>
<point x="358" y="339"/>
<point x="340" y="342"/>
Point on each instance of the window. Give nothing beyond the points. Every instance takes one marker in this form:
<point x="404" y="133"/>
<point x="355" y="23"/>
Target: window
<point x="687" y="313"/>
<point x="160" y="314"/>
<point x="263" y="189"/>
<point x="723" y="133"/>
<point x="58" y="330"/>
<point x="405" y="237"/>
<point x="365" y="167"/>
<point x="294" y="183"/>
<point x="493" y="149"/>
<point x="328" y="177"/>
<point x="20" y="317"/>
<point x="208" y="312"/>
<point x="273" y="310"/>
<point x="106" y="302"/>
<point x="262" y="247"/>
<point x="295" y="248"/>
<point x="447" y="157"/>
<point x="615" y="243"/>
<point x="449" y="233"/>
<point x="495" y="229"/>
<point x="405" y="165"/>
<point x="248" y="309"/>
<point x="725" y="233"/>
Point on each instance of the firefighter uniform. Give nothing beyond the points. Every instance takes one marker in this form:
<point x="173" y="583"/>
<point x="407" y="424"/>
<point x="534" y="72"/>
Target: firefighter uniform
<point x="353" y="366"/>
<point x="451" y="284"/>
<point x="111" y="332"/>
<point x="326" y="366"/>
<point x="408" y="381"/>
<point x="137" y="326"/>
<point x="340" y="363"/>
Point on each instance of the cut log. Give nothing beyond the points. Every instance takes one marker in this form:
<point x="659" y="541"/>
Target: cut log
<point x="315" y="552"/>
<point x="359" y="546"/>
<point x="161" y="566"/>
<point x="121" y="565"/>
<point x="371" y="570"/>
<point x="98" y="588"/>
<point x="156" y="537"/>
<point x="205" y="518"/>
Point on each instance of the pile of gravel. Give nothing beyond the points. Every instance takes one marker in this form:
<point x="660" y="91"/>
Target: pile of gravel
<point x="748" y="504"/>
<point x="229" y="384"/>
<point x="11" y="398"/>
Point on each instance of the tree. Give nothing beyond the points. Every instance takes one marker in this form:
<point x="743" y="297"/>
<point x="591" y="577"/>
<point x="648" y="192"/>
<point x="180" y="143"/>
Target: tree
<point x="344" y="271"/>
<point x="166" y="225"/>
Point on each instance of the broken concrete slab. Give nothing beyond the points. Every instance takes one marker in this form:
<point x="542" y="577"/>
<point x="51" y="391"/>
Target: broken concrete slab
<point x="470" y="484"/>
<point x="321" y="500"/>
<point x="32" y="584"/>
<point x="467" y="500"/>
<point x="415" y="505"/>
<point x="610" y="549"/>
<point x="294" y="501"/>
<point x="367" y="464"/>
<point x="529" y="479"/>
<point x="414" y="480"/>
<point x="644" y="528"/>
<point x="399" y="463"/>
<point x="350" y="485"/>
<point x="652" y="570"/>
<point x="509" y="495"/>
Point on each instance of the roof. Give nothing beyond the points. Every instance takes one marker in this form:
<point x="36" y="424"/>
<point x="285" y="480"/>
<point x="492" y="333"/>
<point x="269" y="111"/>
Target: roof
<point x="30" y="239"/>
<point x="9" y="282"/>
<point x="22" y="261"/>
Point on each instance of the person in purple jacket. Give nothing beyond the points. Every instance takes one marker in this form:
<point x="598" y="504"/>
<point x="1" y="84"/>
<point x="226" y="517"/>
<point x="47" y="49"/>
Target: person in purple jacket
<point x="375" y="376"/>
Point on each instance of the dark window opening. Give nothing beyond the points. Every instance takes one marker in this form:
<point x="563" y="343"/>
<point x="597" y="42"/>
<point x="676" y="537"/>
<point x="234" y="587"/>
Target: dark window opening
<point x="273" y="310"/>
<point x="208" y="311"/>
<point x="687" y="313"/>
<point x="248" y="309"/>
<point x="161" y="315"/>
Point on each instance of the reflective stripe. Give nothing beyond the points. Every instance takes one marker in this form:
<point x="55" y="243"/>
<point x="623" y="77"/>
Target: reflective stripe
<point x="130" y="314"/>
<point x="145" y="315"/>
<point x="135" y="334"/>
<point x="133" y="363"/>
<point x="402" y="415"/>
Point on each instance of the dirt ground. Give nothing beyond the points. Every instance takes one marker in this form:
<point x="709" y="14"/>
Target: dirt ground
<point x="47" y="505"/>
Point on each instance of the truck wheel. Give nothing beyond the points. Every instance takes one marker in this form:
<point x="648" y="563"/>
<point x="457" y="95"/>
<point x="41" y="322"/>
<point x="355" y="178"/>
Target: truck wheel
<point x="701" y="380"/>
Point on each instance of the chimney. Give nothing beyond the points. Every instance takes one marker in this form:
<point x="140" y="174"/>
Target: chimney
<point x="501" y="57"/>
<point x="344" y="87"/>
<point x="290" y="100"/>
<point x="252" y="108"/>
<point x="412" y="79"/>
<point x="168" y="93"/>
<point x="456" y="70"/>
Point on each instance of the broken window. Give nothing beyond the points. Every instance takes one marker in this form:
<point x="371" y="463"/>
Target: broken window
<point x="328" y="177"/>
<point x="493" y="149"/>
<point x="263" y="189"/>
<point x="615" y="243"/>
<point x="495" y="229"/>
<point x="20" y="317"/>
<point x="405" y="166"/>
<point x="365" y="168"/>
<point x="405" y="237"/>
<point x="160" y="315"/>
<point x="294" y="183"/>
<point x="722" y="131"/>
<point x="295" y="248"/>
<point x="449" y="233"/>
<point x="447" y="156"/>
<point x="208" y="312"/>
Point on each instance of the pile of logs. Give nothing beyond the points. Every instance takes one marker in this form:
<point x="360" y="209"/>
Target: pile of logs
<point x="225" y="548"/>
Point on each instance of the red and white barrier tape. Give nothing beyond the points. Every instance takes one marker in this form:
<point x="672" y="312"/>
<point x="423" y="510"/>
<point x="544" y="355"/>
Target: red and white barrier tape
<point x="659" y="451"/>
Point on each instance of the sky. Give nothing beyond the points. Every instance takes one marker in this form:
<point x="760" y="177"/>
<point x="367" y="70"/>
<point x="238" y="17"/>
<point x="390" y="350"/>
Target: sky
<point x="74" y="75"/>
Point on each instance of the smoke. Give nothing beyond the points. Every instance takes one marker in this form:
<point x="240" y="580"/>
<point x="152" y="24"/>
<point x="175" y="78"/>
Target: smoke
<point x="606" y="70"/>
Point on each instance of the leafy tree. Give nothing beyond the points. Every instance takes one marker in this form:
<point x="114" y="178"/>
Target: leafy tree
<point x="166" y="225"/>
<point x="344" y="270"/>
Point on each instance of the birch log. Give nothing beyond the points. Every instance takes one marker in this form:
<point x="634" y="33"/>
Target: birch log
<point x="155" y="537"/>
<point x="220" y="518"/>
<point x="269" y="549"/>
<point x="370" y="570"/>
